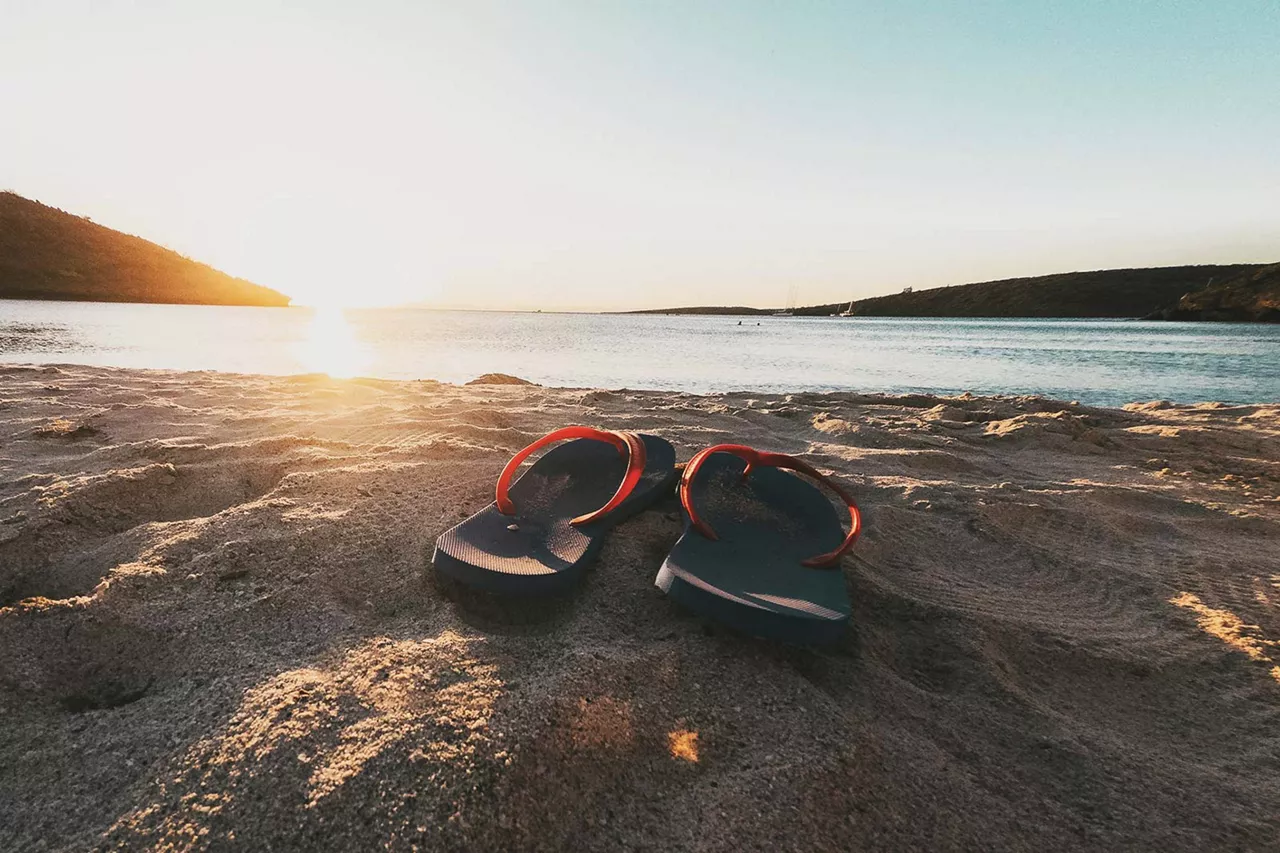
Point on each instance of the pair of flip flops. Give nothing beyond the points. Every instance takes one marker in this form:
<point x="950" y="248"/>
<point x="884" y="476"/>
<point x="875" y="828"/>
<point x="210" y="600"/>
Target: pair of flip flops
<point x="760" y="550"/>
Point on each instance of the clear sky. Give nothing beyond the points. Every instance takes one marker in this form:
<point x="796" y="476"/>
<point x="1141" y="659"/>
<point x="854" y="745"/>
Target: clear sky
<point x="622" y="155"/>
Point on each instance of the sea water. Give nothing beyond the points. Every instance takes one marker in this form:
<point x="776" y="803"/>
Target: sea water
<point x="1100" y="362"/>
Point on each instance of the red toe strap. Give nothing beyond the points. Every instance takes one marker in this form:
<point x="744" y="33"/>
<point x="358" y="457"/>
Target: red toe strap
<point x="753" y="458"/>
<point x="626" y="442"/>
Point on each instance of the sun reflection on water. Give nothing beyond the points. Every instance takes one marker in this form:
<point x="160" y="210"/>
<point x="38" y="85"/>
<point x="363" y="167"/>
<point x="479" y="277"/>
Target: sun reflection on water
<point x="331" y="345"/>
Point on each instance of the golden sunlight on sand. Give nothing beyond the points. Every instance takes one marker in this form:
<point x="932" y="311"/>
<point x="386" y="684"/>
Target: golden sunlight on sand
<point x="683" y="744"/>
<point x="423" y="701"/>
<point x="1230" y="629"/>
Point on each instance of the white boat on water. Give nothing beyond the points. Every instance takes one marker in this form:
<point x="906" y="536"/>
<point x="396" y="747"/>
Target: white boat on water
<point x="848" y="312"/>
<point x="790" y="310"/>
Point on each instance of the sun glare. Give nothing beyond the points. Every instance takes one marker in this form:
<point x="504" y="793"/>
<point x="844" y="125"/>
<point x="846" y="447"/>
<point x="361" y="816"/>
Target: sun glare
<point x="331" y="345"/>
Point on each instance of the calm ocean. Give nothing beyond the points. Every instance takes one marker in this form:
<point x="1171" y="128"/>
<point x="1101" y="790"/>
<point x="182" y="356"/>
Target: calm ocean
<point x="1102" y="362"/>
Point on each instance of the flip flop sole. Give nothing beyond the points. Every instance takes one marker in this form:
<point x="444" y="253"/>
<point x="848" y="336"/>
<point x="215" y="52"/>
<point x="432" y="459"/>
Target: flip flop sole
<point x="537" y="551"/>
<point x="751" y="577"/>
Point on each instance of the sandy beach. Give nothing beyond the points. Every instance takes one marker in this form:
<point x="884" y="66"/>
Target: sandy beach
<point x="219" y="628"/>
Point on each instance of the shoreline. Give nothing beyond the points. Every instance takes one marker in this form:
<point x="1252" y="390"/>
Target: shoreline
<point x="848" y="395"/>
<point x="218" y="623"/>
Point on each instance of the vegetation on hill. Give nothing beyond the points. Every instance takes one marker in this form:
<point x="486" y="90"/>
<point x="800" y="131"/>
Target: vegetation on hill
<point x="1252" y="296"/>
<point x="1101" y="293"/>
<point x="46" y="253"/>
<point x="1157" y="292"/>
<point x="721" y="310"/>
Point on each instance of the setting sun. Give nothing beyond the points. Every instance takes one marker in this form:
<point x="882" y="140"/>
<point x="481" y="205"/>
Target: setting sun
<point x="331" y="346"/>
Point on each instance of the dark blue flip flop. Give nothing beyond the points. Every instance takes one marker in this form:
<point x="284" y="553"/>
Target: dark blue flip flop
<point x="761" y="553"/>
<point x="539" y="535"/>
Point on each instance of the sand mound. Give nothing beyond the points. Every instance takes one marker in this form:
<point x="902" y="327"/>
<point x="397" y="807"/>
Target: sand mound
<point x="499" y="379"/>
<point x="219" y="629"/>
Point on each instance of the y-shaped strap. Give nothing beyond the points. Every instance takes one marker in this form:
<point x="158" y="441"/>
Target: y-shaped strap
<point x="753" y="458"/>
<point x="627" y="442"/>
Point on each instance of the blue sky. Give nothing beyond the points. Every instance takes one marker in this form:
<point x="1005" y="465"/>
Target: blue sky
<point x="611" y="155"/>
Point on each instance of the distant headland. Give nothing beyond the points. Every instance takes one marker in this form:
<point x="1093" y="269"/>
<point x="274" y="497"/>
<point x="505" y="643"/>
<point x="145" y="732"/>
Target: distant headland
<point x="47" y="253"/>
<point x="1235" y="292"/>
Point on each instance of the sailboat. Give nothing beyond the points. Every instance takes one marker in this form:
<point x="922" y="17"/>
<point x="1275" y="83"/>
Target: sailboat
<point x="848" y="312"/>
<point x="791" y="303"/>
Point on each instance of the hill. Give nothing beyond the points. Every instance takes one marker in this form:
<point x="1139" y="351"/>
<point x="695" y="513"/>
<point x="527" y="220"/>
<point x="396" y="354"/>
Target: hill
<point x="721" y="310"/>
<point x="47" y="253"/>
<point x="1100" y="293"/>
<point x="1253" y="296"/>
